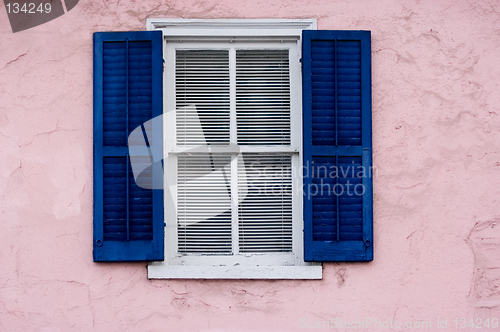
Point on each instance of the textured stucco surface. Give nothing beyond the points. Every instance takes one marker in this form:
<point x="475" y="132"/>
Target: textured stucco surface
<point x="436" y="130"/>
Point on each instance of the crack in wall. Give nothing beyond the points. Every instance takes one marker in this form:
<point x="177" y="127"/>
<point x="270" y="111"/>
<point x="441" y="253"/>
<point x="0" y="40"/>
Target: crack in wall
<point x="12" y="61"/>
<point x="484" y="241"/>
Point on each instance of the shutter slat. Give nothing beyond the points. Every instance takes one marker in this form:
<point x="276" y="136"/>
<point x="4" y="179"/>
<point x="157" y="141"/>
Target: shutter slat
<point x="115" y="186"/>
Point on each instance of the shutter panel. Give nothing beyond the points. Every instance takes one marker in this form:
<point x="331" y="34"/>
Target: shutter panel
<point x="338" y="217"/>
<point x="128" y="220"/>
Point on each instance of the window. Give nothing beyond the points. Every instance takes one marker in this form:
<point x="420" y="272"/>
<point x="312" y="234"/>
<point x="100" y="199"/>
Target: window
<point x="237" y="206"/>
<point x="262" y="123"/>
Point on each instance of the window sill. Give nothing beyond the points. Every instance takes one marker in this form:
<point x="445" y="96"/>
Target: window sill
<point x="162" y="271"/>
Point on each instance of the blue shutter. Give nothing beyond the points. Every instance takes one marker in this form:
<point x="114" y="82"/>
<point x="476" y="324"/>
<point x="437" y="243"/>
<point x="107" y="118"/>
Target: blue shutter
<point x="338" y="203"/>
<point x="128" y="220"/>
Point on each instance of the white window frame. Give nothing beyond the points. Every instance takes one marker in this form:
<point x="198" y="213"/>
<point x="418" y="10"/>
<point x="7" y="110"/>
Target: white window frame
<point x="201" y="33"/>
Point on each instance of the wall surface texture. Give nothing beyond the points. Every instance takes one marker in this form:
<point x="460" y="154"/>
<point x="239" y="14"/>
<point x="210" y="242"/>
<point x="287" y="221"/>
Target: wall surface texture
<point x="436" y="134"/>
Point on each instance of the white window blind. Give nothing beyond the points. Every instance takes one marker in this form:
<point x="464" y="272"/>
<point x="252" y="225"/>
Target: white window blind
<point x="265" y="215"/>
<point x="263" y="97"/>
<point x="204" y="203"/>
<point x="229" y="204"/>
<point x="202" y="97"/>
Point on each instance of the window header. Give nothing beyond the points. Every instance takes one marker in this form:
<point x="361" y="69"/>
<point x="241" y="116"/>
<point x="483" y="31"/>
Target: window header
<point x="190" y="29"/>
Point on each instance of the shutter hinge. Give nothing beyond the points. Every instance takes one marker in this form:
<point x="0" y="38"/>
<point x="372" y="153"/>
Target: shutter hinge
<point x="163" y="66"/>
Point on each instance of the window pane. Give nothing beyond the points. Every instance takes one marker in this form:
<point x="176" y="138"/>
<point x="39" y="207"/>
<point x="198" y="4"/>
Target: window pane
<point x="204" y="203"/>
<point x="202" y="97"/>
<point x="265" y="214"/>
<point x="263" y="97"/>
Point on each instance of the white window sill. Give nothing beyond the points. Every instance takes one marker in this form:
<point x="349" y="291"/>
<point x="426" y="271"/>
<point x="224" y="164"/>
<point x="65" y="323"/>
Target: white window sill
<point x="161" y="271"/>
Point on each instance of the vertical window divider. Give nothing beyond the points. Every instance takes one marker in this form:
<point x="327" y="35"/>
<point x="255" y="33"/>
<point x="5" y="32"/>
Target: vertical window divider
<point x="233" y="139"/>
<point x="283" y="201"/>
<point x="232" y="97"/>
<point x="184" y="84"/>
<point x="234" y="204"/>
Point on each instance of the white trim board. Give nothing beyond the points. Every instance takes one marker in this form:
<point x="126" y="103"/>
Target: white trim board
<point x="157" y="271"/>
<point x="205" y="27"/>
<point x="228" y="29"/>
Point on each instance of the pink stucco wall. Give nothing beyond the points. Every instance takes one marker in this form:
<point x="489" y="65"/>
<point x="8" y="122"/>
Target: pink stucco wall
<point x="436" y="128"/>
